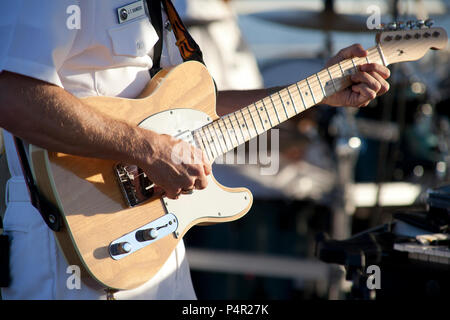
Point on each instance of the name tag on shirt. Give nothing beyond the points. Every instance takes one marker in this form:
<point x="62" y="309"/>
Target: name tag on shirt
<point x="131" y="11"/>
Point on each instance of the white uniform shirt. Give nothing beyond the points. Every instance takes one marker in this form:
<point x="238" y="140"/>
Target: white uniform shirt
<point x="101" y="58"/>
<point x="229" y="59"/>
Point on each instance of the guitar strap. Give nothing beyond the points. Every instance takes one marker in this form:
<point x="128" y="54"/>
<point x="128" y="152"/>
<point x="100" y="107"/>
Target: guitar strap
<point x="48" y="211"/>
<point x="154" y="8"/>
<point x="189" y="49"/>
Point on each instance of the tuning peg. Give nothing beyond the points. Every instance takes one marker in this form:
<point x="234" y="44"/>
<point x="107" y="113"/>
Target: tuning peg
<point x="392" y="26"/>
<point x="410" y="24"/>
<point x="420" y="23"/>
<point x="401" y="25"/>
<point x="429" y="23"/>
<point x="381" y="27"/>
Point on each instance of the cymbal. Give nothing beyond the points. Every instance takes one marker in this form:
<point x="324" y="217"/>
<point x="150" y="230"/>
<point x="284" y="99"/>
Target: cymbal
<point x="326" y="20"/>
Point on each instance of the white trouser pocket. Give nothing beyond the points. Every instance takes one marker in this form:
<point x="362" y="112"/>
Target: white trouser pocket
<point x="38" y="268"/>
<point x="31" y="261"/>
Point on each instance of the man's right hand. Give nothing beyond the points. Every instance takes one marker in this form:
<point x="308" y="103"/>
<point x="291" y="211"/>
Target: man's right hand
<point x="174" y="165"/>
<point x="55" y="120"/>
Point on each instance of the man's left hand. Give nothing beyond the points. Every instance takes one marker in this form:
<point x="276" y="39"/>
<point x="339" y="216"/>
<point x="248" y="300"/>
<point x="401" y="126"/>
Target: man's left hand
<point x="368" y="83"/>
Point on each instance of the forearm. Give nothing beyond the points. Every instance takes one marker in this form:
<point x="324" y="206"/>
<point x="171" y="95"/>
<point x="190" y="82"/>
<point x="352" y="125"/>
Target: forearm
<point x="233" y="100"/>
<point x="50" y="117"/>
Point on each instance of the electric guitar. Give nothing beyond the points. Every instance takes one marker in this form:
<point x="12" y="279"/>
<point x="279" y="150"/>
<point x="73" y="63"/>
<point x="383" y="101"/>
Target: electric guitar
<point x="115" y="228"/>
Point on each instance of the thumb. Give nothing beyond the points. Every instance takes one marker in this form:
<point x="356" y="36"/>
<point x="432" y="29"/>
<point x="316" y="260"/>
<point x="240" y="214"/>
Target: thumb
<point x="355" y="50"/>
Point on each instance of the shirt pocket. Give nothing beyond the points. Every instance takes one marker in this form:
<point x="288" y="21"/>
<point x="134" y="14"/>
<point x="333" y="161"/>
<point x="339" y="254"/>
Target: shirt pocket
<point x="133" y="39"/>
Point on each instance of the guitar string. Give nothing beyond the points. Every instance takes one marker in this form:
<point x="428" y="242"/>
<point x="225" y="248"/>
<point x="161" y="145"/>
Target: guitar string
<point x="277" y="105"/>
<point x="289" y="96"/>
<point x="285" y="94"/>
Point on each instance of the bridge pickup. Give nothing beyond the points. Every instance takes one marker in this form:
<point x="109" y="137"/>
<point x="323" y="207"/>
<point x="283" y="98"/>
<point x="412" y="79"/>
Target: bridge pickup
<point x="134" y="184"/>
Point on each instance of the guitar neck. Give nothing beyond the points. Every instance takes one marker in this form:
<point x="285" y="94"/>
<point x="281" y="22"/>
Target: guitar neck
<point x="234" y="129"/>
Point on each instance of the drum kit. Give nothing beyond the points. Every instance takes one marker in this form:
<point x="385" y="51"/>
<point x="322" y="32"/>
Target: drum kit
<point x="406" y="127"/>
<point x="403" y="136"/>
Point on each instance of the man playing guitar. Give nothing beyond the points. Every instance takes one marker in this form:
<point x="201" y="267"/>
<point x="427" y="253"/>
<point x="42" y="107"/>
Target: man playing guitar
<point x="46" y="68"/>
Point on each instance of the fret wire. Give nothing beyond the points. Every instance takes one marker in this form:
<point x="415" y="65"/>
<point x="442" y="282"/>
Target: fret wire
<point x="288" y="101"/>
<point x="204" y="146"/>
<point x="228" y="134"/>
<point x="285" y="111"/>
<point x="312" y="94"/>
<point x="274" y="107"/>
<point x="242" y="132"/>
<point x="228" y="130"/>
<point x="343" y="73"/>
<point x="332" y="80"/>
<point x="292" y="100"/>
<point x="207" y="148"/>
<point x="301" y="96"/>
<point x="346" y="67"/>
<point x="354" y="65"/>
<point x="234" y="130"/>
<point x="381" y="55"/>
<point x="218" y="138"/>
<point x="212" y="138"/>
<point x="321" y="86"/>
<point x="209" y="143"/>
<point x="251" y="117"/>
<point x="239" y="126"/>
<point x="223" y="136"/>
<point x="257" y="111"/>
<point x="246" y="125"/>
<point x="372" y="51"/>
<point x="268" y="117"/>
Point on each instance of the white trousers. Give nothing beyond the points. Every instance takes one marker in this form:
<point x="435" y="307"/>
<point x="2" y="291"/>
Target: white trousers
<point x="39" y="269"/>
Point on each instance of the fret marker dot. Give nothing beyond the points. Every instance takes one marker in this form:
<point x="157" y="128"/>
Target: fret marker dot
<point x="265" y="121"/>
<point x="306" y="93"/>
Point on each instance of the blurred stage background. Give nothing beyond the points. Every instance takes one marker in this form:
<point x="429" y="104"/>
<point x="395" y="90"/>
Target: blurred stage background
<point x="341" y="170"/>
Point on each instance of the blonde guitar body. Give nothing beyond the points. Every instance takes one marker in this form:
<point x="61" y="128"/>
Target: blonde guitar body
<point x="93" y="207"/>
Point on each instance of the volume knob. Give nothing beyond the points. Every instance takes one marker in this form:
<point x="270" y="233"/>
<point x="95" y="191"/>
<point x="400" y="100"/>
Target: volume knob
<point x="120" y="248"/>
<point x="147" y="234"/>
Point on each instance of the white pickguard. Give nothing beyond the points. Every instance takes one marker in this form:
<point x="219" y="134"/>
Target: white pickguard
<point x="211" y="202"/>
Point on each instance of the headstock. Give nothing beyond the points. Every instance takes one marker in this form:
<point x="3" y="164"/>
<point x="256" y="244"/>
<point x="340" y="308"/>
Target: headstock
<point x="410" y="41"/>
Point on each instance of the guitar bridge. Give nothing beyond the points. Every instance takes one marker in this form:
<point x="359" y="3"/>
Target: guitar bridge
<point x="134" y="184"/>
